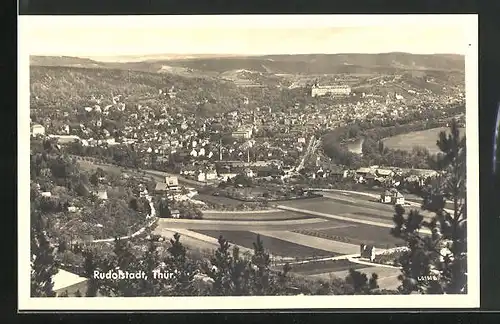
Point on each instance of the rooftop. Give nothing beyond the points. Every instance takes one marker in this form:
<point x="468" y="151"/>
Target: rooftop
<point x="65" y="279"/>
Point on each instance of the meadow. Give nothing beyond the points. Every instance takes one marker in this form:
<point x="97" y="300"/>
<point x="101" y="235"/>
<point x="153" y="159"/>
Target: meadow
<point x="425" y="138"/>
<point x="273" y="245"/>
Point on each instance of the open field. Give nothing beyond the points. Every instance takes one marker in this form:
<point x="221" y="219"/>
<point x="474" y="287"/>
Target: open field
<point x="363" y="196"/>
<point x="359" y="201"/>
<point x="249" y="216"/>
<point x="273" y="245"/>
<point x="218" y="200"/>
<point x="356" y="234"/>
<point x="190" y="242"/>
<point x="387" y="277"/>
<point x="315" y="242"/>
<point x="356" y="147"/>
<point x="336" y="233"/>
<point x="231" y="225"/>
<point x="426" y="138"/>
<point x="90" y="166"/>
<point x="331" y="206"/>
<point x="315" y="268"/>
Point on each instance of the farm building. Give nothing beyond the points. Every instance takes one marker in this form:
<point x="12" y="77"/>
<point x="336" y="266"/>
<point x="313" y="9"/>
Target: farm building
<point x="367" y="252"/>
<point x="392" y="196"/>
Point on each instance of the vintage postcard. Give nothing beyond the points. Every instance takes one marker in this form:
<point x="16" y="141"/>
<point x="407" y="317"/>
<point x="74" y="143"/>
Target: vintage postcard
<point x="248" y="162"/>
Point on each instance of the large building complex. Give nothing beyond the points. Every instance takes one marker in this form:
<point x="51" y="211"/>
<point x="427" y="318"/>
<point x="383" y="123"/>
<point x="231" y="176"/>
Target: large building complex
<point x="245" y="133"/>
<point x="335" y="90"/>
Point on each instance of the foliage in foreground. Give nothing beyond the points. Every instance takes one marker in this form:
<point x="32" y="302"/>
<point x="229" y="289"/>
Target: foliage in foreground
<point x="226" y="272"/>
<point x="441" y="253"/>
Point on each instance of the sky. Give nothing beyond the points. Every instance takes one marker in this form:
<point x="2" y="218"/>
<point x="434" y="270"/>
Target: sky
<point x="114" y="36"/>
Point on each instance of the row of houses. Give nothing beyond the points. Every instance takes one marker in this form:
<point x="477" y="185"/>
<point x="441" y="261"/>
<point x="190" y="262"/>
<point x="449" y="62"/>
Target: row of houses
<point x="374" y="174"/>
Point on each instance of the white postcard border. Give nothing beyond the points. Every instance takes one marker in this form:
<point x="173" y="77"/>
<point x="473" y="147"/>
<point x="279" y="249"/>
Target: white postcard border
<point x="470" y="300"/>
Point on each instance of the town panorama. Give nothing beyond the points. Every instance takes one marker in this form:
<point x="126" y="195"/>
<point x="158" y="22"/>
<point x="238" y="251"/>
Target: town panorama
<point x="313" y="174"/>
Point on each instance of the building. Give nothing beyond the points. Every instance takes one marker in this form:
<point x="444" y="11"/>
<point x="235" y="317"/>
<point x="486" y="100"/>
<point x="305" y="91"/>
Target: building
<point x="70" y="283"/>
<point x="398" y="198"/>
<point x="66" y="139"/>
<point x="386" y="197"/>
<point x="245" y="133"/>
<point x="172" y="182"/>
<point x="175" y="213"/>
<point x="249" y="173"/>
<point x="211" y="175"/>
<point x="189" y="170"/>
<point x="227" y="176"/>
<point x="392" y="196"/>
<point x="384" y="173"/>
<point x="335" y="90"/>
<point x="202" y="177"/>
<point x="161" y="187"/>
<point x="367" y="252"/>
<point x="102" y="194"/>
<point x="363" y="171"/>
<point x="37" y="129"/>
<point x="338" y="174"/>
<point x="111" y="141"/>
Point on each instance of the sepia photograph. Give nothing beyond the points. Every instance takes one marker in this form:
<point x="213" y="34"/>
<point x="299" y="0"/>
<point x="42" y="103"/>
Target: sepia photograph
<point x="248" y="162"/>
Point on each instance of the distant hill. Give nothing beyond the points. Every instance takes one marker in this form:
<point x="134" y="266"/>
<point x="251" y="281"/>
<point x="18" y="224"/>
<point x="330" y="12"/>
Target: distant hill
<point x="328" y="63"/>
<point x="278" y="64"/>
<point x="63" y="61"/>
<point x="67" y="88"/>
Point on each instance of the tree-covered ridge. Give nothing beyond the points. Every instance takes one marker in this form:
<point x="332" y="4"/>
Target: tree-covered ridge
<point x="65" y="197"/>
<point x="328" y="63"/>
<point x="70" y="89"/>
<point x="294" y="64"/>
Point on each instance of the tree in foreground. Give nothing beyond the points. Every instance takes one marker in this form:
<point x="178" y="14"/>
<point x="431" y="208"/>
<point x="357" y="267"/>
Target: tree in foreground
<point x="43" y="261"/>
<point x="436" y="261"/>
<point x="184" y="269"/>
<point x="360" y="282"/>
<point x="89" y="265"/>
<point x="237" y="275"/>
